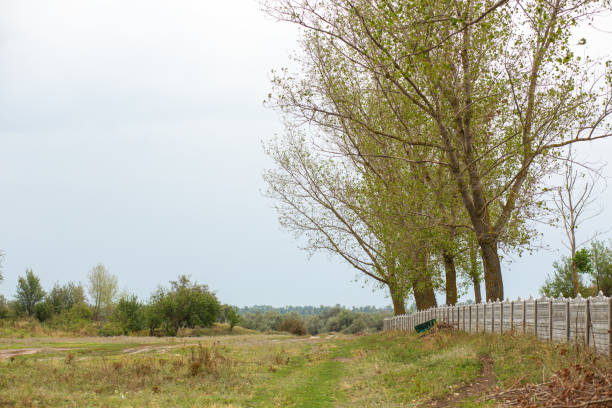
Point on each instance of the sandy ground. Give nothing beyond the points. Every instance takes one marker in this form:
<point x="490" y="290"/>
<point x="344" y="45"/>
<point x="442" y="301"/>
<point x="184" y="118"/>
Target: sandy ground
<point x="37" y="345"/>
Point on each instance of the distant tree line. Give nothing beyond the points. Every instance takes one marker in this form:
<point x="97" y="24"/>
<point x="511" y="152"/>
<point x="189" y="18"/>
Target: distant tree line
<point x="309" y="310"/>
<point x="328" y="319"/>
<point x="184" y="304"/>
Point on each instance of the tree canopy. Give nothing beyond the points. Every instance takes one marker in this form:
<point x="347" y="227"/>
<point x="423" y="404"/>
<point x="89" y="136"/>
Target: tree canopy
<point x="410" y="139"/>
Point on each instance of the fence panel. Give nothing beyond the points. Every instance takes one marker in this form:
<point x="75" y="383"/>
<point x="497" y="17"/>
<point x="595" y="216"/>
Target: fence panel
<point x="543" y="309"/>
<point x="560" y="309"/>
<point x="587" y="321"/>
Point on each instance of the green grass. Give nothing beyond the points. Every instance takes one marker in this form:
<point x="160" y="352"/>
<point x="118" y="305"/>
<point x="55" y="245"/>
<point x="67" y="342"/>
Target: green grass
<point x="382" y="370"/>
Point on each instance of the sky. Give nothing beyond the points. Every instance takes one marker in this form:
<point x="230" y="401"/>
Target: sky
<point x="130" y="135"/>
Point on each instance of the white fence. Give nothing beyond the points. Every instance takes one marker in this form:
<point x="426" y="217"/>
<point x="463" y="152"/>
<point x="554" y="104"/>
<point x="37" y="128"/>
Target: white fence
<point x="582" y="320"/>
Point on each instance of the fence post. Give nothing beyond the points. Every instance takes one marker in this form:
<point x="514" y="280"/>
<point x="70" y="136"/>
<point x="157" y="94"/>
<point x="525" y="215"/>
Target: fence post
<point x="610" y="327"/>
<point x="458" y="323"/>
<point x="550" y="319"/>
<point x="476" y="317"/>
<point x="524" y="317"/>
<point x="492" y="317"/>
<point x="470" y="329"/>
<point x="567" y="321"/>
<point x="501" y="317"/>
<point x="588" y="321"/>
<point x="535" y="316"/>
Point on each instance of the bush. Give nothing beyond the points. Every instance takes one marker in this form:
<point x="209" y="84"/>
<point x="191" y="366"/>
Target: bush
<point x="314" y="325"/>
<point x="4" y="308"/>
<point x="65" y="297"/>
<point x="43" y="311"/>
<point x="360" y="324"/>
<point x="293" y="325"/>
<point x="110" y="329"/>
<point x="80" y="311"/>
<point x="129" y="315"/>
<point x="186" y="304"/>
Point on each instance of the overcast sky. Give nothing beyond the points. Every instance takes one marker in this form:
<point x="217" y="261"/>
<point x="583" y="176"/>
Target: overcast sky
<point x="130" y="134"/>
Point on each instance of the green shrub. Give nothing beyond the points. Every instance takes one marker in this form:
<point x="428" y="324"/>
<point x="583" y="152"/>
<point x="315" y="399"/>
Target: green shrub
<point x="293" y="325"/>
<point x="129" y="314"/>
<point x="110" y="329"/>
<point x="43" y="311"/>
<point x="186" y="304"/>
<point x="4" y="308"/>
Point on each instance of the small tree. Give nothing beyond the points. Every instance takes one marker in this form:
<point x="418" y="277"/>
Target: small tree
<point x="64" y="297"/>
<point x="232" y="317"/>
<point x="601" y="257"/>
<point x="129" y="314"/>
<point x="43" y="310"/>
<point x="102" y="289"/>
<point x="573" y="201"/>
<point x="186" y="304"/>
<point x="4" y="309"/>
<point x="29" y="292"/>
<point x="561" y="282"/>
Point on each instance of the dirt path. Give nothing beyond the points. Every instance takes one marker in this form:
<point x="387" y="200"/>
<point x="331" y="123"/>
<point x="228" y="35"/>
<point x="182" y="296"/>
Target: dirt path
<point x="483" y="383"/>
<point x="161" y="349"/>
<point x="7" y="354"/>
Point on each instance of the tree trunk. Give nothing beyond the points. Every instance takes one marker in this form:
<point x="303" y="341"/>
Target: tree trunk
<point x="451" y="278"/>
<point x="574" y="268"/>
<point x="424" y="295"/>
<point x="494" y="285"/>
<point x="399" y="307"/>
<point x="477" y="295"/>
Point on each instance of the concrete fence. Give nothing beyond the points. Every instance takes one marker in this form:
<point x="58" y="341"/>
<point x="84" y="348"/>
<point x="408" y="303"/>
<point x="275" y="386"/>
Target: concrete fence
<point x="587" y="321"/>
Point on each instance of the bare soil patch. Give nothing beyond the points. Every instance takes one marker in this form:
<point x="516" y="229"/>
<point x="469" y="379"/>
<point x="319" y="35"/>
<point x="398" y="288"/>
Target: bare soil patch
<point x="7" y="354"/>
<point x="480" y="385"/>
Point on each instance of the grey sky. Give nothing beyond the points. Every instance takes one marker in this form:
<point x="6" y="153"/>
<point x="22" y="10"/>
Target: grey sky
<point x="130" y="135"/>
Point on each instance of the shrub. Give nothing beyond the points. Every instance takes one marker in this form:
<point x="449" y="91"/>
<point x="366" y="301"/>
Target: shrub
<point x="232" y="318"/>
<point x="186" y="304"/>
<point x="293" y="325"/>
<point x="80" y="311"/>
<point x="4" y="308"/>
<point x="360" y="324"/>
<point x="129" y="315"/>
<point x="110" y="329"/>
<point x="29" y="292"/>
<point x="65" y="297"/>
<point x="43" y="311"/>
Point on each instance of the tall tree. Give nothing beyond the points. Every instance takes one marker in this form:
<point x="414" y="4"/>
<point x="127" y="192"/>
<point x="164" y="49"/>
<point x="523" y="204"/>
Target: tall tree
<point x="29" y="292"/>
<point x="488" y="91"/>
<point x="323" y="200"/>
<point x="103" y="287"/>
<point x="572" y="200"/>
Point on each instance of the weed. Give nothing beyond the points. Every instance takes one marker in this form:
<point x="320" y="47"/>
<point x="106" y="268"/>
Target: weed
<point x="206" y="358"/>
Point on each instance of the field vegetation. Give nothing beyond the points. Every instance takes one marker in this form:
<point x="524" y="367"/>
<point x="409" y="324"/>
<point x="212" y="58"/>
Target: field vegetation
<point x="380" y="370"/>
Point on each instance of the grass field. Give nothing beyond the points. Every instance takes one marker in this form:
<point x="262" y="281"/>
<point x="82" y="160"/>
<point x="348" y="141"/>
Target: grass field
<point x="382" y="370"/>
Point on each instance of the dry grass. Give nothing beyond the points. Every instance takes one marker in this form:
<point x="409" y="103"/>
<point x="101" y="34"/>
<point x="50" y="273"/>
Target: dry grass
<point x="384" y="370"/>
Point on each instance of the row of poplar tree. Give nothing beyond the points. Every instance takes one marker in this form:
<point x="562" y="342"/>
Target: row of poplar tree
<point x="420" y="136"/>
